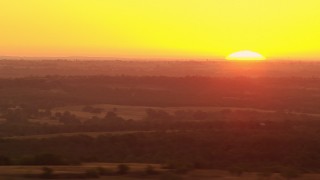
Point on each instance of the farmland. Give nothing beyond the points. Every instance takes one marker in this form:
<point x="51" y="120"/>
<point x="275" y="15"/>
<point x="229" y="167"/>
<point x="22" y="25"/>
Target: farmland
<point x="192" y="127"/>
<point x="138" y="171"/>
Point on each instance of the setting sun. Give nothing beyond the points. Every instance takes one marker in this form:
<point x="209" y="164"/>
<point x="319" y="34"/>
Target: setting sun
<point x="246" y="56"/>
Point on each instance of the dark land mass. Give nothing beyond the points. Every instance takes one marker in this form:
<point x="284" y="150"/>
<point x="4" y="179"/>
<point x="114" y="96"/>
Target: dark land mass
<point x="23" y="68"/>
<point x="264" y="120"/>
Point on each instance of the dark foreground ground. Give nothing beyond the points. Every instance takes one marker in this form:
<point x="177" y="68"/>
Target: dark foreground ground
<point x="136" y="171"/>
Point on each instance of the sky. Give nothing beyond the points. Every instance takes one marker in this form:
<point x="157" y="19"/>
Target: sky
<point x="278" y="29"/>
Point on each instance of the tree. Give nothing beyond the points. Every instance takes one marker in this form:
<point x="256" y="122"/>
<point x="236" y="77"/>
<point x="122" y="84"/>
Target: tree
<point x="47" y="173"/>
<point x="113" y="117"/>
<point x="91" y="109"/>
<point x="69" y="119"/>
<point x="170" y="176"/>
<point x="16" y="116"/>
<point x="236" y="170"/>
<point x="200" y="115"/>
<point x="5" y="160"/>
<point x="150" y="170"/>
<point x="47" y="159"/>
<point x="123" y="169"/>
<point x="104" y="171"/>
<point x="266" y="173"/>
<point x="290" y="173"/>
<point x="153" y="114"/>
<point x="92" y="173"/>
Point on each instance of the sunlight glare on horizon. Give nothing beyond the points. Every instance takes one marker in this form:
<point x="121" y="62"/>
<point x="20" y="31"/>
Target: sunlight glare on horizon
<point x="245" y="55"/>
<point x="160" y="28"/>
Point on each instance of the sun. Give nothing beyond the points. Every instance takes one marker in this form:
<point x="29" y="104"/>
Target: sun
<point x="245" y="55"/>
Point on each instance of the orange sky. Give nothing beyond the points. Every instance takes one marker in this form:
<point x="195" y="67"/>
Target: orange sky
<point x="160" y="28"/>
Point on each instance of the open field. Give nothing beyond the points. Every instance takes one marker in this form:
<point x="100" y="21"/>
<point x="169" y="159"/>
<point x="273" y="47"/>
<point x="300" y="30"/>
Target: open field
<point x="136" y="172"/>
<point x="19" y="170"/>
<point x="139" y="112"/>
<point x="16" y="172"/>
<point x="90" y="134"/>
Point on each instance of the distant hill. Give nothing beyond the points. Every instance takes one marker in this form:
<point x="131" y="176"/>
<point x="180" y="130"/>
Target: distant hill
<point x="15" y="67"/>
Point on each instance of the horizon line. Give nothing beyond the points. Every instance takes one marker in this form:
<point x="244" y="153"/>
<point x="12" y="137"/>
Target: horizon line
<point x="106" y="58"/>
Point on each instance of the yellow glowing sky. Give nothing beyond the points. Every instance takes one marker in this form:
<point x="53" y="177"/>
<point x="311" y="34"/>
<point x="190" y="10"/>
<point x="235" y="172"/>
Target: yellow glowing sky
<point x="159" y="28"/>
